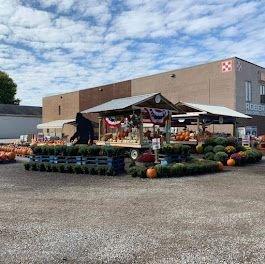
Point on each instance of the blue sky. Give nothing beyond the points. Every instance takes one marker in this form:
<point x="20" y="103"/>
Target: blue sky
<point x="55" y="46"/>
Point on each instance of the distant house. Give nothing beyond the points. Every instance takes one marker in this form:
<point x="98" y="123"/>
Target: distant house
<point x="16" y="120"/>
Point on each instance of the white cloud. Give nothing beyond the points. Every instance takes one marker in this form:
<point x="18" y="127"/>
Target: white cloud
<point x="63" y="45"/>
<point x="28" y="17"/>
<point x="230" y="32"/>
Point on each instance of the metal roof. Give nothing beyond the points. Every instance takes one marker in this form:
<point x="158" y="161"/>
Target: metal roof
<point x="20" y="110"/>
<point x="124" y="103"/>
<point x="211" y="109"/>
<point x="55" y="124"/>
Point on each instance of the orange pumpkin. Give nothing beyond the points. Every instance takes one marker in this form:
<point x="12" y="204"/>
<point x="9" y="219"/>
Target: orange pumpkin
<point x="10" y="155"/>
<point x="187" y="138"/>
<point x="151" y="173"/>
<point x="182" y="137"/>
<point x="2" y="156"/>
<point x="231" y="162"/>
<point x="220" y="166"/>
<point x="24" y="152"/>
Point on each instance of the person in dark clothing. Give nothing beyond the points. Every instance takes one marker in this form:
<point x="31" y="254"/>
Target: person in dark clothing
<point x="84" y="130"/>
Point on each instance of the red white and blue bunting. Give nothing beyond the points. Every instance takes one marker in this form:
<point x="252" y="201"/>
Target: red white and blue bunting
<point x="157" y="116"/>
<point x="111" y="122"/>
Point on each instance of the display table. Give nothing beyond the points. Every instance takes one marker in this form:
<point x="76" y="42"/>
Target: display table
<point x="190" y="142"/>
<point x="122" y="144"/>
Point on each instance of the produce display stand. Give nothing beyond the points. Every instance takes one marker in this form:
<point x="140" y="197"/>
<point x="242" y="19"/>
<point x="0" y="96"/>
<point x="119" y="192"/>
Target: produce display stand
<point x="132" y="122"/>
<point x="201" y="116"/>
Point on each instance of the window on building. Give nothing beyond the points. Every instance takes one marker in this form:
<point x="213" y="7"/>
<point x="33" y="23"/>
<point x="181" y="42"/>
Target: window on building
<point x="262" y="94"/>
<point x="248" y="91"/>
<point x="59" y="110"/>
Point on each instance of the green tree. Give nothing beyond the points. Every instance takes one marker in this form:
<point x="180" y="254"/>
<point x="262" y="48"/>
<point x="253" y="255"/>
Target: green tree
<point x="8" y="90"/>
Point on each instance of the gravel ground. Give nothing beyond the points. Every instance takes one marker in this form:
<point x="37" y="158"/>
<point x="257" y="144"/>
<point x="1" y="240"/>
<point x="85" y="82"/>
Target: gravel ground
<point x="64" y="218"/>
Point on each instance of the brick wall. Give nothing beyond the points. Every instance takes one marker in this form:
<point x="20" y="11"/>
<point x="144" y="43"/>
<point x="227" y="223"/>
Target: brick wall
<point x="204" y="84"/>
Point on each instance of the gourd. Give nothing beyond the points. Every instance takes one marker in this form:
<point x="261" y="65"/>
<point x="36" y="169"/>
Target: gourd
<point x="220" y="166"/>
<point x="199" y="149"/>
<point x="151" y="173"/>
<point x="231" y="162"/>
<point x="10" y="155"/>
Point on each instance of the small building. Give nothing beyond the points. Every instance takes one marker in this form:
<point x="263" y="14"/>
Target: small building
<point x="16" y="120"/>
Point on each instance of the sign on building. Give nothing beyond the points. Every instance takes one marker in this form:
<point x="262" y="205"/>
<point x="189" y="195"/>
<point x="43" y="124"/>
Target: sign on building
<point x="255" y="109"/>
<point x="227" y="66"/>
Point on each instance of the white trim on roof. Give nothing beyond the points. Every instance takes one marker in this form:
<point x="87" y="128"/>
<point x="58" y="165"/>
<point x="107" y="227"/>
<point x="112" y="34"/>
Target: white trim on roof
<point x="215" y="110"/>
<point x="55" y="124"/>
<point x="120" y="103"/>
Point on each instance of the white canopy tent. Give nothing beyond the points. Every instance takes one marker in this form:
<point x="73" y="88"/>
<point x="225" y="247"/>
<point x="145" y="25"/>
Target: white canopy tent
<point x="56" y="124"/>
<point x="55" y="128"/>
<point x="202" y="109"/>
<point x="207" y="114"/>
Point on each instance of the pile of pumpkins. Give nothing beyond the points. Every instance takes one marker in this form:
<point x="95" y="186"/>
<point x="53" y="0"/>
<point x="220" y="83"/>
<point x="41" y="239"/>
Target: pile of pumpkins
<point x="16" y="150"/>
<point x="184" y="136"/>
<point x="7" y="156"/>
<point x="56" y="142"/>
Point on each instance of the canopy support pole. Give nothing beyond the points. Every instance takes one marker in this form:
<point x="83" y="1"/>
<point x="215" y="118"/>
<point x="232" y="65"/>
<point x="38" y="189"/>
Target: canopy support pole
<point x="168" y="128"/>
<point x="198" y="125"/>
<point x="141" y="129"/>
<point x="99" y="127"/>
<point x="234" y="129"/>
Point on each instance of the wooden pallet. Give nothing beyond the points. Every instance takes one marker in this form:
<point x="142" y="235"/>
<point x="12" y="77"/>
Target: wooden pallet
<point x="172" y="158"/>
<point x="7" y="161"/>
<point x="115" y="163"/>
<point x="23" y="156"/>
<point x="67" y="160"/>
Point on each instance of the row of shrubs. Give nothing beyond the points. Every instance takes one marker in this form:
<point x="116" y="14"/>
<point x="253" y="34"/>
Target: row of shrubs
<point x="70" y="168"/>
<point x="180" y="149"/>
<point x="78" y="150"/>
<point x="178" y="169"/>
<point x="241" y="157"/>
<point x="229" y="145"/>
<point x="224" y="141"/>
<point x="221" y="148"/>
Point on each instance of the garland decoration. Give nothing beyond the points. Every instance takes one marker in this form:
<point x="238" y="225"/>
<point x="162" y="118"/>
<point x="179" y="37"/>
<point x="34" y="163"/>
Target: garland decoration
<point x="112" y="122"/>
<point x="157" y="116"/>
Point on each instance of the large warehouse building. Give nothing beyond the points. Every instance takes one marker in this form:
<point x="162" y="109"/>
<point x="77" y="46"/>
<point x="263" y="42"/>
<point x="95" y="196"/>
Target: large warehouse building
<point x="232" y="82"/>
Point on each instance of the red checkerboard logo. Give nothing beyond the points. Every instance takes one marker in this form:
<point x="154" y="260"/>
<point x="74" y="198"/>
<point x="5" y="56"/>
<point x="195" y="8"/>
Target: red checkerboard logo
<point x="227" y="66"/>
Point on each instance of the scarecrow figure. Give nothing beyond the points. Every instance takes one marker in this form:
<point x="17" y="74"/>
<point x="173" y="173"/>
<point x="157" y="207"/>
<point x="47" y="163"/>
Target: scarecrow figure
<point x="84" y="130"/>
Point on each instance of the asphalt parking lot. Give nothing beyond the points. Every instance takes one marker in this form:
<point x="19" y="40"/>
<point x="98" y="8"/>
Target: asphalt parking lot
<point x="63" y="218"/>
